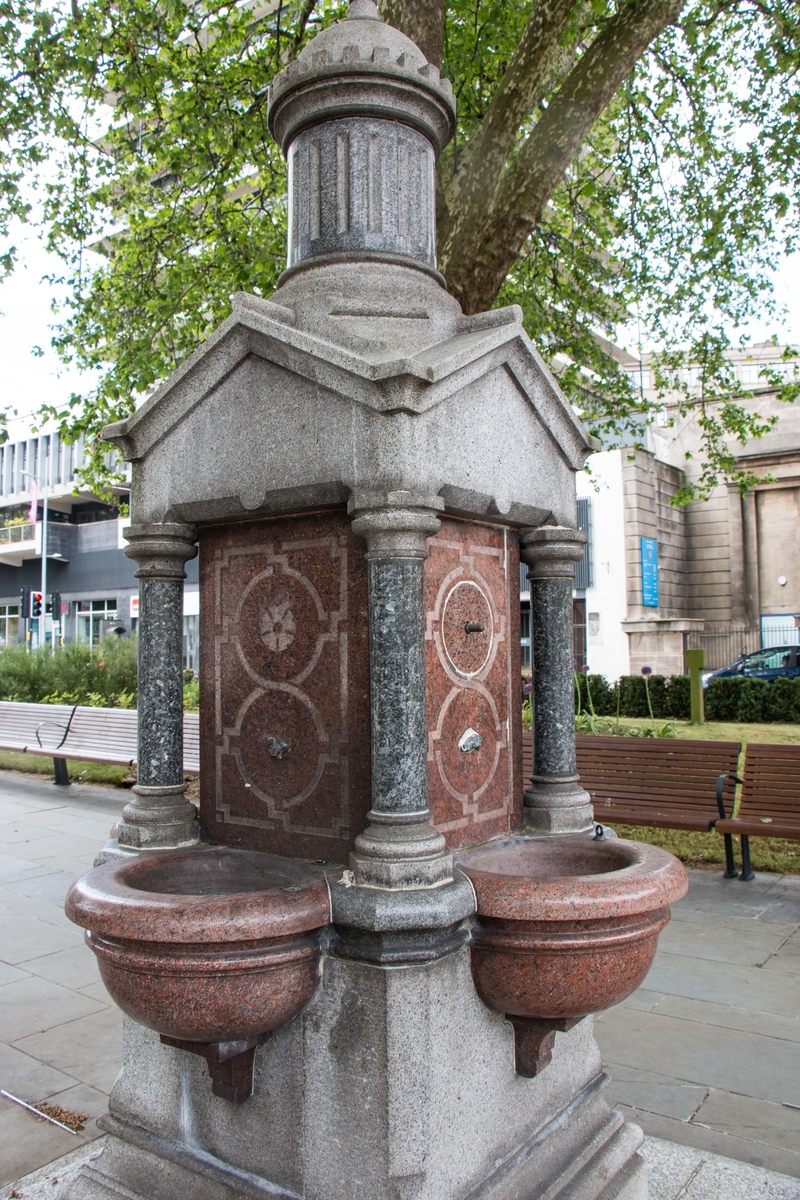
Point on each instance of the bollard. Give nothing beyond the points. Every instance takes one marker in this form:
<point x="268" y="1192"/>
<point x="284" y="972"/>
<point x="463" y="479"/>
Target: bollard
<point x="695" y="660"/>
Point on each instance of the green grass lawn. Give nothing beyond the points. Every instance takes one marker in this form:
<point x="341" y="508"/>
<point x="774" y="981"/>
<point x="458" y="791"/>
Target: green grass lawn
<point x="79" y="772"/>
<point x="719" y="731"/>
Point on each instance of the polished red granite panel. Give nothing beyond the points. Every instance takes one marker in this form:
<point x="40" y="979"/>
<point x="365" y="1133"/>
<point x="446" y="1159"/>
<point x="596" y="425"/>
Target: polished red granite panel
<point x="284" y="761"/>
<point x="472" y="668"/>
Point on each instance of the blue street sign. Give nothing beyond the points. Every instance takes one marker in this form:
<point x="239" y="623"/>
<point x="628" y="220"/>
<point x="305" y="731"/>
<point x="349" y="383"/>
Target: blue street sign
<point x="649" y="572"/>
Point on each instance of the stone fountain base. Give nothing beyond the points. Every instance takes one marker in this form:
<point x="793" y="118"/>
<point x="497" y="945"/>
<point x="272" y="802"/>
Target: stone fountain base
<point x="395" y="1083"/>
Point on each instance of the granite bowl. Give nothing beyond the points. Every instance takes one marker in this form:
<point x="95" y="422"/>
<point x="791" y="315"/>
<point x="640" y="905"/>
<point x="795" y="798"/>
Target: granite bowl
<point x="205" y="945"/>
<point x="566" y="926"/>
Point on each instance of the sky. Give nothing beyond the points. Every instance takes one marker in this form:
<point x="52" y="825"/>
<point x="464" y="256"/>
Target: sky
<point x="27" y="381"/>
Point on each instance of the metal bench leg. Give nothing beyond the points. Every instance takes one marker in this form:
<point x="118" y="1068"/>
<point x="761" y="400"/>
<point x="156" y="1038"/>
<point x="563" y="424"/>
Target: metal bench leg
<point x="747" y="872"/>
<point x="61" y="773"/>
<point x="730" y="861"/>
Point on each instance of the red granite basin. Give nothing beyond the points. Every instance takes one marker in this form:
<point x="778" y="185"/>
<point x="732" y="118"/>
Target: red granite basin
<point x="208" y="945"/>
<point x="566" y="926"/>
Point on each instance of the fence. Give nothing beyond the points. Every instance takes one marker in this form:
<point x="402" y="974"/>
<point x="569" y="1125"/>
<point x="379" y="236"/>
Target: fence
<point x="724" y="646"/>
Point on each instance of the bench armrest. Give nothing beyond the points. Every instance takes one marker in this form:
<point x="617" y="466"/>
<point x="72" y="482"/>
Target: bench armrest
<point x="64" y="728"/>
<point x="720" y="786"/>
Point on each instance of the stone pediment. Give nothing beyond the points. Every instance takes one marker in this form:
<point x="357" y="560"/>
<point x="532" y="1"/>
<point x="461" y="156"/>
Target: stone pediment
<point x="412" y="383"/>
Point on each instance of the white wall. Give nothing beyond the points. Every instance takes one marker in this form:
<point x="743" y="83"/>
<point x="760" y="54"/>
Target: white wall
<point x="606" y="606"/>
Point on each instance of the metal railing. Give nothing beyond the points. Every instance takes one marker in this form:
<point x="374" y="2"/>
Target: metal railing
<point x="724" y="646"/>
<point x="11" y="534"/>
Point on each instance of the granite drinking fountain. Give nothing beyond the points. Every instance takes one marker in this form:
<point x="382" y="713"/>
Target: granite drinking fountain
<point x="372" y="934"/>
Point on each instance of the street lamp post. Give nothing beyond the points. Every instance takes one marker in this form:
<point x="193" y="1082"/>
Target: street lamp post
<point x="46" y="476"/>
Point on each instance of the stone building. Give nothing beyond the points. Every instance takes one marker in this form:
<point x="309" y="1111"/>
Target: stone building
<point x="727" y="569"/>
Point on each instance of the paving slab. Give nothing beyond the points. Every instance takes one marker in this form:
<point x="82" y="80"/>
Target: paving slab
<point x="787" y="957"/>
<point x="73" y="968"/>
<point x="766" y="1068"/>
<point x="748" y="947"/>
<point x="36" y="1006"/>
<point x="724" y="983"/>
<point x="31" y="938"/>
<point x="89" y="1048"/>
<point x="26" y="1139"/>
<point x="28" y="1077"/>
<point x="747" y="1117"/>
<point x="657" y="1093"/>
<point x="13" y="868"/>
<point x="680" y="1172"/>
<point x="724" y="1015"/>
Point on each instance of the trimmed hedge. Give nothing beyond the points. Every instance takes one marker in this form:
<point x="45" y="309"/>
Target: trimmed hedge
<point x="726" y="699"/>
<point x="104" y="676"/>
<point x="668" y="697"/>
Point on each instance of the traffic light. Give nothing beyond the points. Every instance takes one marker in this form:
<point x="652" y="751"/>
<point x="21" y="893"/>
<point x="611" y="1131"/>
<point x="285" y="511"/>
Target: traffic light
<point x="54" y="607"/>
<point x="24" y="602"/>
<point x="36" y="604"/>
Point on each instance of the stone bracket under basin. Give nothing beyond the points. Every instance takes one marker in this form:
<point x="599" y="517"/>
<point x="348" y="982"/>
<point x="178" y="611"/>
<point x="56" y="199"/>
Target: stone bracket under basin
<point x="230" y="1064"/>
<point x="533" y="1041"/>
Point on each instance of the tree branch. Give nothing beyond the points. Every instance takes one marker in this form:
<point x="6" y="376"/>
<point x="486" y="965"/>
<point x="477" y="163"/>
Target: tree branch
<point x="421" y="20"/>
<point x="476" y="265"/>
<point x="472" y="193"/>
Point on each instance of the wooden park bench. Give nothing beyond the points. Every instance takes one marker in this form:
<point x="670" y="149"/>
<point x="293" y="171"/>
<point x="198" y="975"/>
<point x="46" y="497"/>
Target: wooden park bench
<point x="63" y="731"/>
<point x="769" y="803"/>
<point x="663" y="783"/>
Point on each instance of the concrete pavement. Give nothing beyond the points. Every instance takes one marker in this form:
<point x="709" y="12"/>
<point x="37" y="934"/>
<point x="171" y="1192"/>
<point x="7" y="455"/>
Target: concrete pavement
<point x="60" y="1033"/>
<point x="705" y="1054"/>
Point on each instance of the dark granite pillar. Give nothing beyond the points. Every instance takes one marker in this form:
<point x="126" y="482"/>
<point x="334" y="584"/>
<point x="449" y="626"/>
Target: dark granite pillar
<point x="555" y="802"/>
<point x="159" y="817"/>
<point x="399" y="848"/>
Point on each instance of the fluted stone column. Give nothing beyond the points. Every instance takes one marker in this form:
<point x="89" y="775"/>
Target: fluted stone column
<point x="555" y="802"/>
<point x="160" y="817"/>
<point x="399" y="848"/>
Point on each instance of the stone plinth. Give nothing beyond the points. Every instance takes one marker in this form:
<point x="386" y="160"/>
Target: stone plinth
<point x="393" y="1083"/>
<point x="657" y="643"/>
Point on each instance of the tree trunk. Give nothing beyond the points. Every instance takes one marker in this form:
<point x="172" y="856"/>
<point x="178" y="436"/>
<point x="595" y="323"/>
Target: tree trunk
<point x="476" y="265"/>
<point x="421" y="20"/>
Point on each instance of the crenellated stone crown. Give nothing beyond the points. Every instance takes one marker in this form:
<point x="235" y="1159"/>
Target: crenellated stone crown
<point x="361" y="117"/>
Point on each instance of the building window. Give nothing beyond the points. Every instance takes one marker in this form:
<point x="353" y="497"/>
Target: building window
<point x="640" y="380"/>
<point x="191" y="643"/>
<point x="579" y="633"/>
<point x="583" y="568"/>
<point x="525" y="639"/>
<point x="9" y="624"/>
<point x="93" y="620"/>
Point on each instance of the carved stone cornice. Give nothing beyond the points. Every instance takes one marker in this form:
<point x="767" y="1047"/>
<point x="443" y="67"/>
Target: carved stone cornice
<point x="551" y="551"/>
<point x="395" y="524"/>
<point x="161" y="550"/>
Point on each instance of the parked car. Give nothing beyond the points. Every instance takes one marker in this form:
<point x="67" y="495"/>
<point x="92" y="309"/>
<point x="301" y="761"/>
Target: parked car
<point x="776" y="662"/>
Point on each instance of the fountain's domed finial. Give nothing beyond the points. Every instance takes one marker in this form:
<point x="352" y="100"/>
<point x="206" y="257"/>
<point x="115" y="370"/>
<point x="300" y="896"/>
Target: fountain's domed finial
<point x="362" y="116"/>
<point x="363" y="10"/>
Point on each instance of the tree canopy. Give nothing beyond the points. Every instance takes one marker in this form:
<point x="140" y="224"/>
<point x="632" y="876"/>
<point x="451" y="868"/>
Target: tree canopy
<point x="613" y="158"/>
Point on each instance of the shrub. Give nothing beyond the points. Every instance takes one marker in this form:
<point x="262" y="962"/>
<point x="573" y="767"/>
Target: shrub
<point x="678" y="698"/>
<point x="736" y="699"/>
<point x="104" y="676"/>
<point x="596" y="693"/>
<point x="782" y="702"/>
<point x="633" y="696"/>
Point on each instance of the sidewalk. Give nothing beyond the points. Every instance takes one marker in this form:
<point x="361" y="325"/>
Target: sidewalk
<point x="706" y="1054"/>
<point x="60" y="1033"/>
